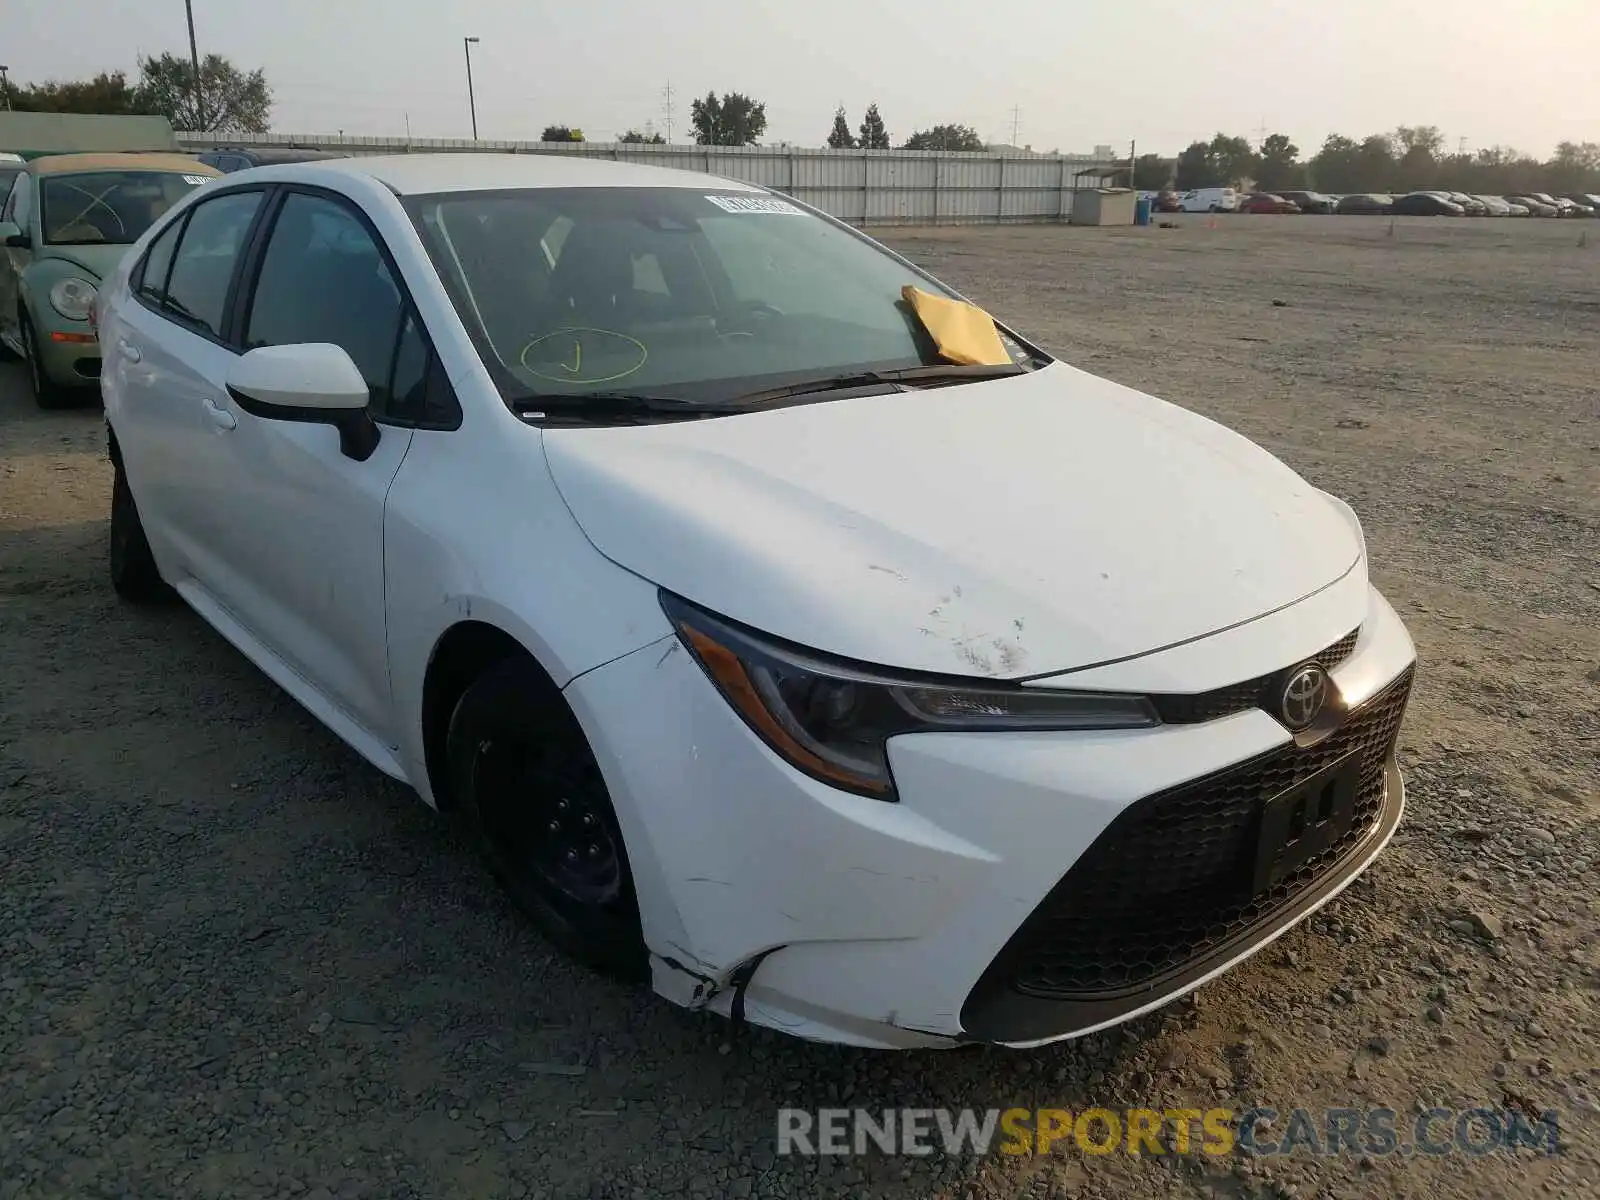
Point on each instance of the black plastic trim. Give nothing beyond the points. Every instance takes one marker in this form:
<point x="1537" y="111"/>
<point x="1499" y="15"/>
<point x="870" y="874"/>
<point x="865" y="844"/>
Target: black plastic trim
<point x="358" y="432"/>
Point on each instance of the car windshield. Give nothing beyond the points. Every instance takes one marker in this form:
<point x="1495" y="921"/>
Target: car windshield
<point x="689" y="293"/>
<point x="111" y="207"/>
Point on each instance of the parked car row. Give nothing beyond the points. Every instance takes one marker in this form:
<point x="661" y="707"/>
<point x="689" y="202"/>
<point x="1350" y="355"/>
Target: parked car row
<point x="1459" y="204"/>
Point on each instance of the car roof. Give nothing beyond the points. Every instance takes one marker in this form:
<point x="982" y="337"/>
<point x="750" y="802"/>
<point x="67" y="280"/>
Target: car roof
<point x="55" y="164"/>
<point x="419" y="174"/>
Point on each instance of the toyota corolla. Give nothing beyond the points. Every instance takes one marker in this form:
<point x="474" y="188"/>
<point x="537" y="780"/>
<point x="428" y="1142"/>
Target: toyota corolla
<point x="785" y="630"/>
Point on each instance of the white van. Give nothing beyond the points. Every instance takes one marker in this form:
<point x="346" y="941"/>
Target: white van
<point x="1214" y="199"/>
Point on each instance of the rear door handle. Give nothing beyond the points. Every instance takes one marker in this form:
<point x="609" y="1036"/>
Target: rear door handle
<point x="128" y="350"/>
<point x="220" y="417"/>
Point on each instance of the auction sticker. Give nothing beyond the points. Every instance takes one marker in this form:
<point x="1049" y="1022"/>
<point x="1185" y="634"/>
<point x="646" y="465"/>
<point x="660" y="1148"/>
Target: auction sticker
<point x="755" y="204"/>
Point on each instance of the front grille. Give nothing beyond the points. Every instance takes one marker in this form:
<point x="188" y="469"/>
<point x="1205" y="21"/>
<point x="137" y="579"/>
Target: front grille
<point x="1169" y="881"/>
<point x="1237" y="697"/>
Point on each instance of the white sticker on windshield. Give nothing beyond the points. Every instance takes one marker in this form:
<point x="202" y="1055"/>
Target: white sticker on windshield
<point x="756" y="204"/>
<point x="197" y="179"/>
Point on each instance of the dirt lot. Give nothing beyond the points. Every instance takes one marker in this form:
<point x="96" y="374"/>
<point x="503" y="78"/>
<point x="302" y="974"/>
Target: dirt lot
<point x="235" y="961"/>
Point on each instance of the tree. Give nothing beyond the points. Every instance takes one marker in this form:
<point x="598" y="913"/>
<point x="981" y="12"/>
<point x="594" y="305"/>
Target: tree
<point x="1277" y="167"/>
<point x="945" y="137"/>
<point x="107" y="92"/>
<point x="230" y="101"/>
<point x="1151" y="172"/>
<point x="1234" y="160"/>
<point x="1420" y="147"/>
<point x="561" y="133"/>
<point x="839" y="137"/>
<point x="1194" y="168"/>
<point x="1334" y="168"/>
<point x="1375" y="163"/>
<point x="634" y="138"/>
<point x="873" y="135"/>
<point x="734" y="120"/>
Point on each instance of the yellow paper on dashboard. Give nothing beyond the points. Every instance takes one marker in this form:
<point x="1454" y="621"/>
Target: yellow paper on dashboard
<point x="963" y="332"/>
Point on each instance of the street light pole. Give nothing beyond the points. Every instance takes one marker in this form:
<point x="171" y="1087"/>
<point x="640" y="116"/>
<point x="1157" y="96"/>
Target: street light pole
<point x="466" y="47"/>
<point x="194" y="63"/>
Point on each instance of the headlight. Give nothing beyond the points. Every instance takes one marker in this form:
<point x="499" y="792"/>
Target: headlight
<point x="832" y="719"/>
<point x="73" y="298"/>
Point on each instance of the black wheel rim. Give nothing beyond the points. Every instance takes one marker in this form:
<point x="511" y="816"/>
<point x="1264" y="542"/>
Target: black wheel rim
<point x="544" y="819"/>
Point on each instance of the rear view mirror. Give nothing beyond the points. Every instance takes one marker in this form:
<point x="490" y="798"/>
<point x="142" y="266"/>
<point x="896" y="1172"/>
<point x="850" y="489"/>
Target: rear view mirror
<point x="313" y="381"/>
<point x="13" y="237"/>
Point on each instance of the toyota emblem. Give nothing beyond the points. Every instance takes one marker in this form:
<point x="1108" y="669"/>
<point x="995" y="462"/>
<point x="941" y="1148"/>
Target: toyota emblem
<point x="1304" y="694"/>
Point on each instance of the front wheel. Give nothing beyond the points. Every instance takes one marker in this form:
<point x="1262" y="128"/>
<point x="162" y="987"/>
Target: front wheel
<point x="47" y="393"/>
<point x="532" y="798"/>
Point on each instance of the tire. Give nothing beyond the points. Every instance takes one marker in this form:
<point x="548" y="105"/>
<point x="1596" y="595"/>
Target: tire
<point x="530" y="795"/>
<point x="134" y="574"/>
<point x="47" y="393"/>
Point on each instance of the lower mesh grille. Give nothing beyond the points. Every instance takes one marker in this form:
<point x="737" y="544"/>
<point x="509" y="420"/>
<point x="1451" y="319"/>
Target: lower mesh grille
<point x="1170" y="880"/>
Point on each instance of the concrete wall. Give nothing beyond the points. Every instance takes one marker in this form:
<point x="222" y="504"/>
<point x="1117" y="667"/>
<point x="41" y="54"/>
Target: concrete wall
<point x="29" y="133"/>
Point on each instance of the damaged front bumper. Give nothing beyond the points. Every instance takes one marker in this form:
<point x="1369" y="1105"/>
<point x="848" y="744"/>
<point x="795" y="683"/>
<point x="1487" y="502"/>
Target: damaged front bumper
<point x="948" y="917"/>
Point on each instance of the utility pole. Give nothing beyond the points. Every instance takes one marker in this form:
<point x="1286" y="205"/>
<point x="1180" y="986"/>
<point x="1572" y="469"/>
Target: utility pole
<point x="1016" y="119"/>
<point x="194" y="63"/>
<point x="472" y="103"/>
<point x="667" y="109"/>
<point x="1132" y="146"/>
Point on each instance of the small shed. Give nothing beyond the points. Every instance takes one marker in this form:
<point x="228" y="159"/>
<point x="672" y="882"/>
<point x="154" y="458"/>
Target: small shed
<point x="1103" y="206"/>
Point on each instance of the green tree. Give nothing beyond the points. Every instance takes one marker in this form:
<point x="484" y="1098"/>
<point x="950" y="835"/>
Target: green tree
<point x="945" y="137"/>
<point x="839" y="137"/>
<point x="1420" y="149"/>
<point x="108" y="92"/>
<point x="634" y="138"/>
<point x="734" y="120"/>
<point x="1278" y="166"/>
<point x="1333" y="168"/>
<point x="1375" y="164"/>
<point x="1194" y="168"/>
<point x="873" y="135"/>
<point x="1151" y="172"/>
<point x="230" y="101"/>
<point x="1235" y="161"/>
<point x="561" y="133"/>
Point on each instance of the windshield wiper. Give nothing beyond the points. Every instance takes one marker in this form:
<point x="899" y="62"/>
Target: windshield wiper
<point x="936" y="372"/>
<point x="615" y="404"/>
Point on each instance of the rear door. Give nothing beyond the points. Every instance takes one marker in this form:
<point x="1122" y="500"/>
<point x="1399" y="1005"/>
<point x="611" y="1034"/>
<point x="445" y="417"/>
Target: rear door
<point x="299" y="526"/>
<point x="170" y="357"/>
<point x="13" y="261"/>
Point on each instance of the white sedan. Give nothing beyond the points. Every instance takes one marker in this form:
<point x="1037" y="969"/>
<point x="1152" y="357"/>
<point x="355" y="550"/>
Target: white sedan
<point x="773" y="644"/>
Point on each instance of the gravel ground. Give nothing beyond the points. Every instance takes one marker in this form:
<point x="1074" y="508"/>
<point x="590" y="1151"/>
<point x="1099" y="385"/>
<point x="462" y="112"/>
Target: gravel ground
<point x="235" y="961"/>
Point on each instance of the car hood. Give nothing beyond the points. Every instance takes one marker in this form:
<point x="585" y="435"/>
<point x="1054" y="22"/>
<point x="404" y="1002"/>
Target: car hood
<point x="98" y="260"/>
<point x="1007" y="528"/>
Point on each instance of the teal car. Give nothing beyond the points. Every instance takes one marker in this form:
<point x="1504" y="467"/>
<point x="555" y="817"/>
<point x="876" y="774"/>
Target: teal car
<point x="67" y="222"/>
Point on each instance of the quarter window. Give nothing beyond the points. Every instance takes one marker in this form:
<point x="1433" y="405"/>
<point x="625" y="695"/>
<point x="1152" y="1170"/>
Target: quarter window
<point x="202" y="270"/>
<point x="323" y="279"/>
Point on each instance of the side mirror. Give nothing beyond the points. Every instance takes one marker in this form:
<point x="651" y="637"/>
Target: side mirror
<point x="13" y="237"/>
<point x="313" y="381"/>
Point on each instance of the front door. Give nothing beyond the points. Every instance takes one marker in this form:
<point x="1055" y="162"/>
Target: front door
<point x="300" y="525"/>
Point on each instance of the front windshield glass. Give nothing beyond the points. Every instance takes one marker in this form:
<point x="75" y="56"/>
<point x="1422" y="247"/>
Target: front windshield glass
<point x="110" y="207"/>
<point x="681" y="292"/>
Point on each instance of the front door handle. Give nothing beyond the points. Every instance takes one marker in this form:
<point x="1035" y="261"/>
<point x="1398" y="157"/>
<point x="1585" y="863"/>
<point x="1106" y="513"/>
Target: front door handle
<point x="220" y="417"/>
<point x="128" y="350"/>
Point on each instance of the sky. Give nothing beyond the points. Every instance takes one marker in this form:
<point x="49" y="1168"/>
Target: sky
<point x="1157" y="73"/>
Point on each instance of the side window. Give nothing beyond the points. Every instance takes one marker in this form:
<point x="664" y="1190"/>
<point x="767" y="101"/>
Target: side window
<point x="197" y="287"/>
<point x="323" y="279"/>
<point x="20" y="202"/>
<point x="8" y="212"/>
<point x="150" y="281"/>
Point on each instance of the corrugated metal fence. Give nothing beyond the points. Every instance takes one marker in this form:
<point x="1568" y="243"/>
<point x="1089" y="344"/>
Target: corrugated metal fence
<point x="864" y="187"/>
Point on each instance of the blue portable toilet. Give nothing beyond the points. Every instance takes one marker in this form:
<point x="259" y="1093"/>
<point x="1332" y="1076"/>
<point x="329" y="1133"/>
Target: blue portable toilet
<point x="1141" y="210"/>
